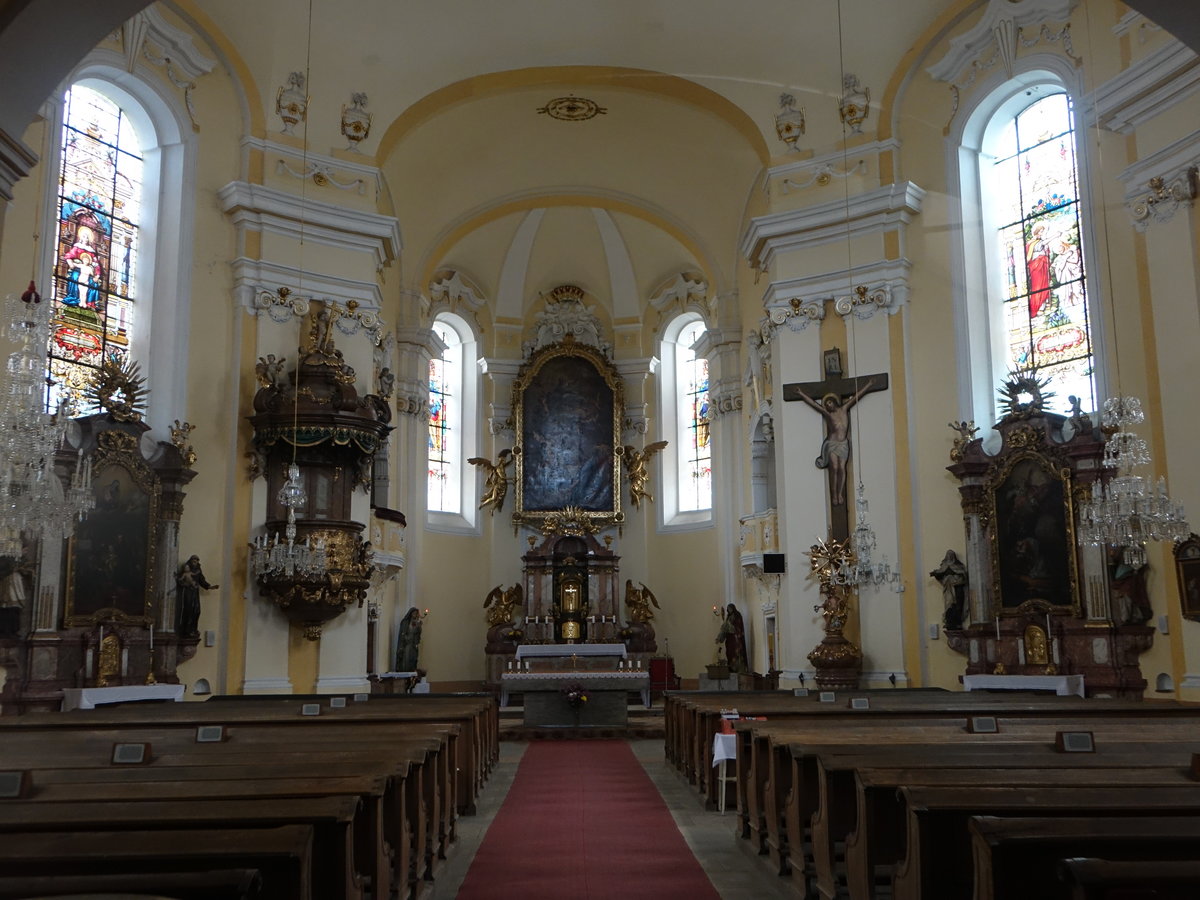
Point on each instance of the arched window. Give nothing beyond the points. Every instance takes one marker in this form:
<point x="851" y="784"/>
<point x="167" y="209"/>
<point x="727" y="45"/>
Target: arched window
<point x="687" y="466"/>
<point x="1027" y="302"/>
<point x="98" y="230"/>
<point x="120" y="264"/>
<point x="452" y="432"/>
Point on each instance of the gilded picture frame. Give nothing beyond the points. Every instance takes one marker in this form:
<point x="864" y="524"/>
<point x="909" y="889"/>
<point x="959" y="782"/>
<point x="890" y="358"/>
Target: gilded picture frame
<point x="1187" y="568"/>
<point x="1034" y="562"/>
<point x="111" y="556"/>
<point x="568" y="403"/>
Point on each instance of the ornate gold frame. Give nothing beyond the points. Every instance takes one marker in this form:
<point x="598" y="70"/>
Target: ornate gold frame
<point x="119" y="449"/>
<point x="994" y="482"/>
<point x="589" y="520"/>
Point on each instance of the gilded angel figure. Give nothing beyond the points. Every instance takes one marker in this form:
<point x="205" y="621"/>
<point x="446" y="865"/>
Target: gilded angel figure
<point x="496" y="485"/>
<point x="636" y="469"/>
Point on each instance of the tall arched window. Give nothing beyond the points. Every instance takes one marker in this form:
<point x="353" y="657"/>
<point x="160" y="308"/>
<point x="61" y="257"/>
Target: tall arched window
<point x="122" y="201"/>
<point x="1026" y="297"/>
<point x="452" y="432"/>
<point x="98" y="229"/>
<point x="1034" y="207"/>
<point x="687" y="465"/>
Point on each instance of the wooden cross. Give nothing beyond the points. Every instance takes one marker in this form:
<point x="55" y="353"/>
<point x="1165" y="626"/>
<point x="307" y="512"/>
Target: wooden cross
<point x="833" y="398"/>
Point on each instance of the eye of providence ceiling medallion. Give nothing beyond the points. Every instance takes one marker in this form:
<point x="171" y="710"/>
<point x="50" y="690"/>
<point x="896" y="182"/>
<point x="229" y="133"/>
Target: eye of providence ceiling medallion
<point x="572" y="109"/>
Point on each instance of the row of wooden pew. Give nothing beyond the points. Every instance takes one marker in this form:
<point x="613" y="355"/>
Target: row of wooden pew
<point x="896" y="794"/>
<point x="243" y="796"/>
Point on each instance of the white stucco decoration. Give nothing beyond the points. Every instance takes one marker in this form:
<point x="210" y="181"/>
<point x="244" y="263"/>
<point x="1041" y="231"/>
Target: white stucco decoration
<point x="565" y="314"/>
<point x="999" y="27"/>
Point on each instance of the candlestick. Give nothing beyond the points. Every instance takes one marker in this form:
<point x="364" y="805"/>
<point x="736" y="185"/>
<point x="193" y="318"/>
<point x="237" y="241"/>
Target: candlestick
<point x="151" y="630"/>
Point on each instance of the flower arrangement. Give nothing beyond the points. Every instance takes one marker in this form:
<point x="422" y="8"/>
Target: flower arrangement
<point x="575" y="695"/>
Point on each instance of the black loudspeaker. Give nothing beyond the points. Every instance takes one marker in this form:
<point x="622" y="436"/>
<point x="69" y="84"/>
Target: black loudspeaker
<point x="773" y="564"/>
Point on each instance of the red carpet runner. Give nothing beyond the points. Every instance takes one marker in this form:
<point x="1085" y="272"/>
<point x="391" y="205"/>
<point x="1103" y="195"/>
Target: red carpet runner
<point x="584" y="820"/>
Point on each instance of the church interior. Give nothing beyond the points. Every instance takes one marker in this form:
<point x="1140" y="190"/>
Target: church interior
<point x="802" y="215"/>
<point x="474" y="348"/>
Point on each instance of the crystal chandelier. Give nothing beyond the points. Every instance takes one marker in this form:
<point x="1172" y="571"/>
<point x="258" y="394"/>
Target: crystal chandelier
<point x="284" y="557"/>
<point x="33" y="499"/>
<point x="854" y="567"/>
<point x="1128" y="511"/>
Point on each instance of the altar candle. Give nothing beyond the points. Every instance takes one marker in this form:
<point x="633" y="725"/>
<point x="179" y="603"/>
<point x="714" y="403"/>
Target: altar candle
<point x="1047" y="624"/>
<point x="1021" y="652"/>
<point x="997" y="628"/>
<point x="1054" y="645"/>
<point x="124" y="661"/>
<point x="151" y="630"/>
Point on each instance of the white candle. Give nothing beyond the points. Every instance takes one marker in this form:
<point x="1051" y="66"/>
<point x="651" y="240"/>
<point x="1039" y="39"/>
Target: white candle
<point x="1021" y="652"/>
<point x="151" y="630"/>
<point x="124" y="661"/>
<point x="997" y="628"/>
<point x="1047" y="624"/>
<point x="1055" y="647"/>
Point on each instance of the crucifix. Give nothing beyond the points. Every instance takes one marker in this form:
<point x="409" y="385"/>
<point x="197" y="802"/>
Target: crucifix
<point x="838" y="395"/>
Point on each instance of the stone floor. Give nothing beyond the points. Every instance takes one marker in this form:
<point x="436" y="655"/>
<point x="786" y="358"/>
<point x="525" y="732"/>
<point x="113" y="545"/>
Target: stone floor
<point x="731" y="865"/>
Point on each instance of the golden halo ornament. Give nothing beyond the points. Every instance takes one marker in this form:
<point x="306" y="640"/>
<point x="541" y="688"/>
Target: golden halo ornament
<point x="572" y="109"/>
<point x="827" y="557"/>
<point x="1025" y="392"/>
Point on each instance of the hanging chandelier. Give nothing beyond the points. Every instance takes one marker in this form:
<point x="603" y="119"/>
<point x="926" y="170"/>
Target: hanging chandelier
<point x="284" y="557"/>
<point x="853" y="567"/>
<point x="33" y="500"/>
<point x="1129" y="510"/>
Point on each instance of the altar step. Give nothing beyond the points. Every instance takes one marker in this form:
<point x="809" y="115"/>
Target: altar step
<point x="643" y="723"/>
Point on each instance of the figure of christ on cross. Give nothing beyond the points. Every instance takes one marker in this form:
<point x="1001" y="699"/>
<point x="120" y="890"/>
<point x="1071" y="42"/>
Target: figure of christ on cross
<point x="838" y="396"/>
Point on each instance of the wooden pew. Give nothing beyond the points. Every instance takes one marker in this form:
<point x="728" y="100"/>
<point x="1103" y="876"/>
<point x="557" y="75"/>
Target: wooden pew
<point x="1102" y="879"/>
<point x="221" y="884"/>
<point x="399" y="816"/>
<point x="1016" y="858"/>
<point x="937" y="843"/>
<point x="331" y="819"/>
<point x="283" y="855"/>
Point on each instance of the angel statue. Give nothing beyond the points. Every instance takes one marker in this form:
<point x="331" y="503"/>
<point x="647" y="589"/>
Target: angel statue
<point x="638" y="635"/>
<point x="497" y="479"/>
<point x="501" y="606"/>
<point x="636" y="462"/>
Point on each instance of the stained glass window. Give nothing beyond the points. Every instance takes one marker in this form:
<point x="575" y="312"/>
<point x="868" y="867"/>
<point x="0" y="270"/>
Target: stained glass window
<point x="1045" y="309"/>
<point x="695" y="460"/>
<point x="443" y="493"/>
<point x="95" y="269"/>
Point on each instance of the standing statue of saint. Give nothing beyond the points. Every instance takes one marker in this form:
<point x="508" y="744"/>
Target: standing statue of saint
<point x="408" y="641"/>
<point x="188" y="584"/>
<point x="951" y="574"/>
<point x="733" y="634"/>
<point x="835" y="449"/>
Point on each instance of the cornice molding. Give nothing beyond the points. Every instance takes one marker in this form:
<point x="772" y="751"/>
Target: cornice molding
<point x="360" y="174"/>
<point x="252" y="276"/>
<point x="16" y="161"/>
<point x="804" y="173"/>
<point x="1148" y="88"/>
<point x="257" y="208"/>
<point x="798" y="302"/>
<point x="888" y="208"/>
<point x="999" y="28"/>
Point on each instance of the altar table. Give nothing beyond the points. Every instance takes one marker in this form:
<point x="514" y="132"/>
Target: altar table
<point x="90" y="698"/>
<point x="1063" y="685"/>
<point x="528" y="650"/>
<point x="540" y="682"/>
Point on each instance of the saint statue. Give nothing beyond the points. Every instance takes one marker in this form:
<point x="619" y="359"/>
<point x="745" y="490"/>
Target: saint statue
<point x="951" y="574"/>
<point x="733" y="634"/>
<point x="188" y="584"/>
<point x="408" y="641"/>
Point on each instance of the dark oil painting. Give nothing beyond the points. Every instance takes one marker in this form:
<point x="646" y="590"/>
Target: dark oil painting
<point x="1034" y="551"/>
<point x="567" y="438"/>
<point x="111" y="546"/>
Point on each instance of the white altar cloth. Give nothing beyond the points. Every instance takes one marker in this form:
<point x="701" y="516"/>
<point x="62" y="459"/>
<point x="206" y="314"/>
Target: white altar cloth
<point x="1063" y="685"/>
<point x="570" y="650"/>
<point x="629" y="680"/>
<point x="90" y="698"/>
